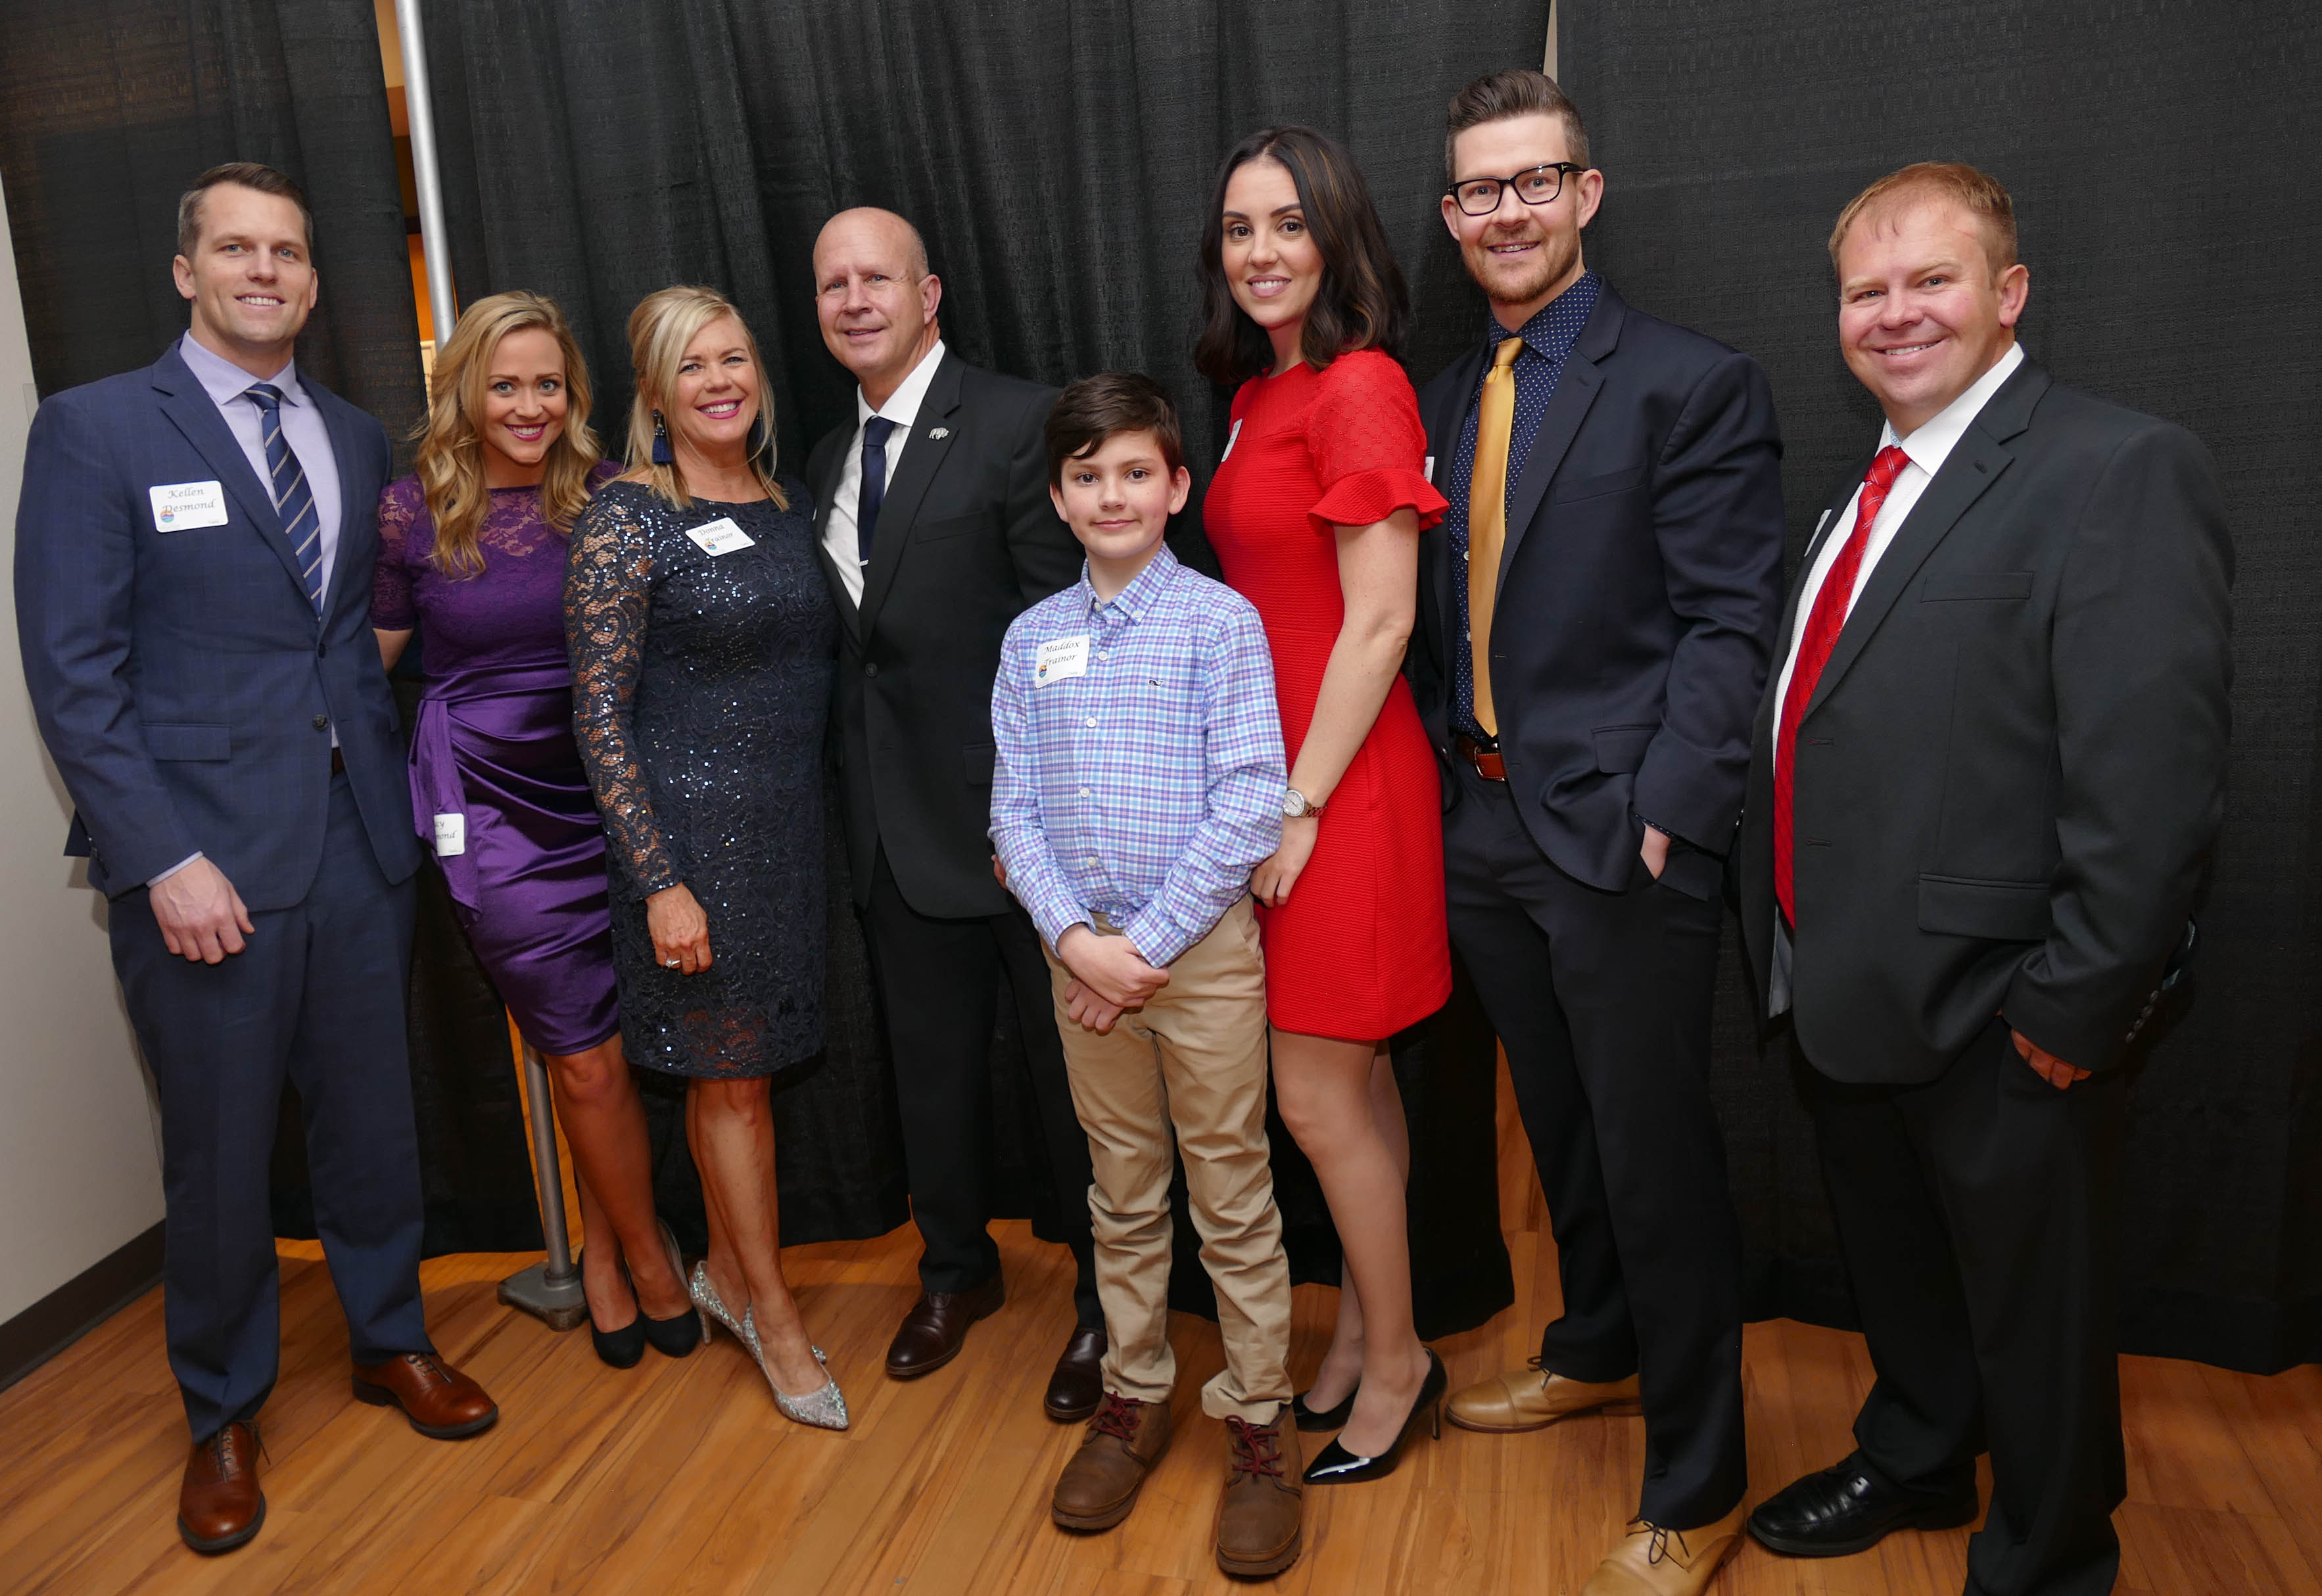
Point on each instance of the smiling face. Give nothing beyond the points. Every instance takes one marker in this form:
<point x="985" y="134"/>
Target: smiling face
<point x="1522" y="255"/>
<point x="1273" y="265"/>
<point x="523" y="407"/>
<point x="1117" y="499"/>
<point x="1921" y="314"/>
<point x="250" y="278"/>
<point x="875" y="298"/>
<point x="715" y="400"/>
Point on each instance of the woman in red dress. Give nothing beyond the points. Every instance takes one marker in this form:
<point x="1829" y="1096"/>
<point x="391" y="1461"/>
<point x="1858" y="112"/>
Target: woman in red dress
<point x="1315" y="514"/>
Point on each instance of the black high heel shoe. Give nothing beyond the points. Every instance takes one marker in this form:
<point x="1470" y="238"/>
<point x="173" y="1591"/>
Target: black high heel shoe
<point x="1335" y="1466"/>
<point x="621" y="1348"/>
<point x="678" y="1335"/>
<point x="1313" y="1420"/>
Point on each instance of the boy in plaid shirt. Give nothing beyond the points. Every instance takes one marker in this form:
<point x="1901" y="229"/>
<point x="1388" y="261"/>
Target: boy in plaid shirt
<point x="1138" y="782"/>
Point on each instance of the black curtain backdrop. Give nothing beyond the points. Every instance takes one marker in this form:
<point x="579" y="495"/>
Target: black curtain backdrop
<point x="107" y="111"/>
<point x="2165" y="167"/>
<point x="1057" y="157"/>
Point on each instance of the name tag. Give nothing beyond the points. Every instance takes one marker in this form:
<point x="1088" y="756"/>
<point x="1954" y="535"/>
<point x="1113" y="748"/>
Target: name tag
<point x="181" y="504"/>
<point x="1427" y="470"/>
<point x="1229" y="441"/>
<point x="451" y="836"/>
<point x="1059" y="658"/>
<point x="720" y="536"/>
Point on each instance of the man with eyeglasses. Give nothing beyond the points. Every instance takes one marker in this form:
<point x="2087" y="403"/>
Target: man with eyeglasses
<point x="1595" y="619"/>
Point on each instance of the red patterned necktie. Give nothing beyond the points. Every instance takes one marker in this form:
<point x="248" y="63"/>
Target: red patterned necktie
<point x="1823" y="624"/>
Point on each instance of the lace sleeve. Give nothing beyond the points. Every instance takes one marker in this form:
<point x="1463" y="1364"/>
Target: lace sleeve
<point x="1368" y="443"/>
<point x="392" y="605"/>
<point x="608" y="590"/>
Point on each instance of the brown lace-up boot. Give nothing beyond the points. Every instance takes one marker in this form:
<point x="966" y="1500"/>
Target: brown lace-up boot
<point x="1261" y="1515"/>
<point x="1099" y="1484"/>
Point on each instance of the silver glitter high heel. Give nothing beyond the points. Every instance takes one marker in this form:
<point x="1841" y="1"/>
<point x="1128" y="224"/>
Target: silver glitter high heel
<point x="822" y="1410"/>
<point x="712" y="1305"/>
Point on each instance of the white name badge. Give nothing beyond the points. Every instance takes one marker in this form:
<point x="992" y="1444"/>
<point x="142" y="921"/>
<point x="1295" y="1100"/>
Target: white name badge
<point x="451" y="836"/>
<point x="720" y="536"/>
<point x="1229" y="441"/>
<point x="1427" y="470"/>
<point x="1059" y="658"/>
<point x="179" y="504"/>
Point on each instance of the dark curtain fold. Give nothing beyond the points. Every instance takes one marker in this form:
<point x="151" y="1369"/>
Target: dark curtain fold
<point x="1057" y="157"/>
<point x="2164" y="164"/>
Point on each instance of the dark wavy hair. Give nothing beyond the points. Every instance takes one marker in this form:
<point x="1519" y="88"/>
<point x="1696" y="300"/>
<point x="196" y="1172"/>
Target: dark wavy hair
<point x="1362" y="303"/>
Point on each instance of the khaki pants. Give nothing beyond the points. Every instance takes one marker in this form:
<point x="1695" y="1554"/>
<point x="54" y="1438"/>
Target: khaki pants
<point x="1194" y="1057"/>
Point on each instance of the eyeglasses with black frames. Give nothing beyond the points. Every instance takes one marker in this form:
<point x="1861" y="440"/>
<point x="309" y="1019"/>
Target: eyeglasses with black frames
<point x="1480" y="197"/>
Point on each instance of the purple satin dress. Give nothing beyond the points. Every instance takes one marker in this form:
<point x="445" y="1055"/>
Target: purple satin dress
<point x="493" y="747"/>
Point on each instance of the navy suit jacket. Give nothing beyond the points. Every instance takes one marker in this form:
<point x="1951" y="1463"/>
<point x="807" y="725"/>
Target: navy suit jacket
<point x="184" y="687"/>
<point x="1639" y="587"/>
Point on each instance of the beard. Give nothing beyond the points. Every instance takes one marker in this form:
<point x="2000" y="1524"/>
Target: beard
<point x="1527" y="282"/>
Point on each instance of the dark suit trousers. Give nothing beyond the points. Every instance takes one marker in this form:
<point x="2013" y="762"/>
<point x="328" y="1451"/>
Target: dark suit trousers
<point x="1603" y="1002"/>
<point x="316" y="995"/>
<point x="939" y="983"/>
<point x="1979" y="1217"/>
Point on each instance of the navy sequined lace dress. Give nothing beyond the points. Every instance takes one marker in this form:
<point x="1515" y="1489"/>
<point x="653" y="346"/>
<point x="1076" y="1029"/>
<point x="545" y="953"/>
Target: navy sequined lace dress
<point x="701" y="684"/>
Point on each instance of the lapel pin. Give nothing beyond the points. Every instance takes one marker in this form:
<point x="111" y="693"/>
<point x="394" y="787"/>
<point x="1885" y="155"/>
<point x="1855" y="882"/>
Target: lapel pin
<point x="941" y="431"/>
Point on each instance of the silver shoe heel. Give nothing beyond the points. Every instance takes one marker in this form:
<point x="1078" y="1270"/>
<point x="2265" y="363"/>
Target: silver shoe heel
<point x="677" y="1267"/>
<point x="709" y="1305"/>
<point x="824" y="1409"/>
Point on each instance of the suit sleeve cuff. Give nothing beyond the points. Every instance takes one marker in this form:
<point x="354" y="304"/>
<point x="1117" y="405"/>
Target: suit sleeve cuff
<point x="173" y="870"/>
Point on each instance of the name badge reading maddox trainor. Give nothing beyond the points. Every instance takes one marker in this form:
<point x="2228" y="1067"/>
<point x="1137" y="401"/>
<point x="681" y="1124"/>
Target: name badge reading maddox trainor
<point x="1060" y="658"/>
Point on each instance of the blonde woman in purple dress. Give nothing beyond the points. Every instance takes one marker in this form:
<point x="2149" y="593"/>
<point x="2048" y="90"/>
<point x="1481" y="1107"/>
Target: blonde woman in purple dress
<point x="471" y="553"/>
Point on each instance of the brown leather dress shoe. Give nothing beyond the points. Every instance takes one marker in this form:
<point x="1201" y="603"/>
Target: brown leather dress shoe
<point x="936" y="1328"/>
<point x="1100" y="1481"/>
<point x="1532" y="1398"/>
<point x="1078" y="1384"/>
<point x="220" y="1505"/>
<point x="1654" y="1560"/>
<point x="441" y="1403"/>
<point x="1261" y="1515"/>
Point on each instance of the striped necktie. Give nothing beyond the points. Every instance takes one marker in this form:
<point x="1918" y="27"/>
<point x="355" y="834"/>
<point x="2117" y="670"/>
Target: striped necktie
<point x="294" y="496"/>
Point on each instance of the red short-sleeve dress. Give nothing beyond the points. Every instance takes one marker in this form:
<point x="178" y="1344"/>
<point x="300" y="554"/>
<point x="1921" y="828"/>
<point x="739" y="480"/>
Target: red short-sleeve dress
<point x="1360" y="949"/>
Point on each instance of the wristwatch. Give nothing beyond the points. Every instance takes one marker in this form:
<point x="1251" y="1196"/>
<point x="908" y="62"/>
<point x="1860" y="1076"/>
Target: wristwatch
<point x="1295" y="806"/>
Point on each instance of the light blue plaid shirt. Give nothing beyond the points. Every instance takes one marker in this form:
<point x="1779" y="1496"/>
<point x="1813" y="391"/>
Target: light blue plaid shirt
<point x="1148" y="786"/>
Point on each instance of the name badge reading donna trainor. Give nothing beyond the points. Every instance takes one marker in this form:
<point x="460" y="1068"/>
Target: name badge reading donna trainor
<point x="720" y="536"/>
<point x="1059" y="658"/>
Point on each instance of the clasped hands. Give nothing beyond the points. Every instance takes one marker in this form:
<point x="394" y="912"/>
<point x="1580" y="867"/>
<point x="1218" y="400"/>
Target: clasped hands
<point x="1109" y="976"/>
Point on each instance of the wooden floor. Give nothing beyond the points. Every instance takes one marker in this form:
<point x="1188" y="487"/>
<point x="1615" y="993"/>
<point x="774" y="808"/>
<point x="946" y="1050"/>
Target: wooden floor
<point x="681" y="1477"/>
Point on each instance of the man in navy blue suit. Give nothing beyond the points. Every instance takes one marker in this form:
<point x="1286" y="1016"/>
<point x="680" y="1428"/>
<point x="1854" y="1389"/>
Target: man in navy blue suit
<point x="1596" y="616"/>
<point x="194" y="552"/>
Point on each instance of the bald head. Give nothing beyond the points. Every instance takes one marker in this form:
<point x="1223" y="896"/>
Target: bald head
<point x="875" y="297"/>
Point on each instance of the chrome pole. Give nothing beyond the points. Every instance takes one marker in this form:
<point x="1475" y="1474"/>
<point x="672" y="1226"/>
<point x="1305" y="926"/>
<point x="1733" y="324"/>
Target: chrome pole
<point x="434" y="242"/>
<point x="550" y="1290"/>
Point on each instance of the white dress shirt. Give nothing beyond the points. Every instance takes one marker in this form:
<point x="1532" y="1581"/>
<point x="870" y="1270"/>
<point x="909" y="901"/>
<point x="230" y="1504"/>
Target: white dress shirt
<point x="903" y="408"/>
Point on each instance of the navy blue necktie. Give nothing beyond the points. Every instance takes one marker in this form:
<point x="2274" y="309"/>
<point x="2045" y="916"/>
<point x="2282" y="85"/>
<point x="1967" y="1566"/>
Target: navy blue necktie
<point x="875" y="432"/>
<point x="294" y="497"/>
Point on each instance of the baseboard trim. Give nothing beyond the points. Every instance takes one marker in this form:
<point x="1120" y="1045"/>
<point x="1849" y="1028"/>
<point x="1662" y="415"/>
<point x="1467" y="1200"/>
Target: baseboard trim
<point x="79" y="1306"/>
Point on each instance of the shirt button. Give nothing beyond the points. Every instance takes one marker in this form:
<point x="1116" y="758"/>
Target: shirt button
<point x="1090" y="861"/>
<point x="1091" y="722"/>
<point x="1084" y="792"/>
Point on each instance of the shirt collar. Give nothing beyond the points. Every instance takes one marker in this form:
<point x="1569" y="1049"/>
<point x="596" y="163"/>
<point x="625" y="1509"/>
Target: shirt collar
<point x="224" y="381"/>
<point x="1931" y="442"/>
<point x="902" y="406"/>
<point x="1555" y="327"/>
<point x="1135" y="601"/>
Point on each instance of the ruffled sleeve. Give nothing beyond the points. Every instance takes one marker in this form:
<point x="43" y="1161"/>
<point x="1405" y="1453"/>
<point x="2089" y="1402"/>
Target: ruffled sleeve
<point x="392" y="607"/>
<point x="1369" y="446"/>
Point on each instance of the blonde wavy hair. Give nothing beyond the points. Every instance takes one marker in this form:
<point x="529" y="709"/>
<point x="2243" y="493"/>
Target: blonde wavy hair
<point x="660" y="328"/>
<point x="452" y="450"/>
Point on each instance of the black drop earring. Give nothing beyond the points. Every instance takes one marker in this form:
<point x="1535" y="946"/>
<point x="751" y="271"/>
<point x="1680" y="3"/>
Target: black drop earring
<point x="660" y="451"/>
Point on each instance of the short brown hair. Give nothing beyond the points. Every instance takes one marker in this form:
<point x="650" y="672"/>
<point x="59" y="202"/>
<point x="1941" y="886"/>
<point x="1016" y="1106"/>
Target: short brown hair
<point x="1362" y="302"/>
<point x="1096" y="409"/>
<point x="1976" y="193"/>
<point x="1517" y="91"/>
<point x="246" y="174"/>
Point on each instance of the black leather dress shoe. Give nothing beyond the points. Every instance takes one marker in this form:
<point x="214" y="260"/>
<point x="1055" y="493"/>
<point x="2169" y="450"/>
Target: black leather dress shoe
<point x="1851" y="1507"/>
<point x="936" y="1328"/>
<point x="1078" y="1384"/>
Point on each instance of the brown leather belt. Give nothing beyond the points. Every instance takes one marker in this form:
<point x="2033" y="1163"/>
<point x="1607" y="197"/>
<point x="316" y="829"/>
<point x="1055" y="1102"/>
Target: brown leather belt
<point x="1487" y="762"/>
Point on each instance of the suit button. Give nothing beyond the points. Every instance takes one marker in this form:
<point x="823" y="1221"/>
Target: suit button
<point x="871" y="667"/>
<point x="321" y="723"/>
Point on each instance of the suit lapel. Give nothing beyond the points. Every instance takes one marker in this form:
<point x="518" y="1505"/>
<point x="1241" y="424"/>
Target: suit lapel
<point x="1443" y="436"/>
<point x="189" y="407"/>
<point x="351" y="483"/>
<point x="1823" y="533"/>
<point x="1576" y="391"/>
<point x="922" y="457"/>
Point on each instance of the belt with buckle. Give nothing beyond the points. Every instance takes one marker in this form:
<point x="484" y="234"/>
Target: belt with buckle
<point x="1487" y="762"/>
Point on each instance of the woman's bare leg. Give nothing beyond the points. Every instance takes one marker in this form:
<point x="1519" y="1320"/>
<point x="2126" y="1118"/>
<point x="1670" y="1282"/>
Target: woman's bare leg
<point x="730" y="1127"/>
<point x="604" y="1125"/>
<point x="1342" y="1365"/>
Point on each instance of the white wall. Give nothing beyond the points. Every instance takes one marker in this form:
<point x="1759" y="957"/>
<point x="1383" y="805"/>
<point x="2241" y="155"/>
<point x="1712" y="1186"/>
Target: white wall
<point x="80" y="1170"/>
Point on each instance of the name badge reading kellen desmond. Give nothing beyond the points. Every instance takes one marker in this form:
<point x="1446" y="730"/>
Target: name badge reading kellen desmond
<point x="179" y="504"/>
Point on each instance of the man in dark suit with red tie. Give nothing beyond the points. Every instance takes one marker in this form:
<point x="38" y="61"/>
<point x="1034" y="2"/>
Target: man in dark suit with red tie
<point x="1983" y="783"/>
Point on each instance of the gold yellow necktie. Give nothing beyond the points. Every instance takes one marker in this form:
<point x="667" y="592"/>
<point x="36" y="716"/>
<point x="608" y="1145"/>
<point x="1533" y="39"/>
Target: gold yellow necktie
<point x="1487" y="519"/>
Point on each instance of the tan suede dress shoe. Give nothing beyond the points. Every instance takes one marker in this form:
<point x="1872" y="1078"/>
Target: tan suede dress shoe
<point x="1651" y="1561"/>
<point x="220" y="1505"/>
<point x="1531" y="1398"/>
<point x="441" y="1403"/>
<point x="1100" y="1481"/>
<point x="1261" y="1515"/>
